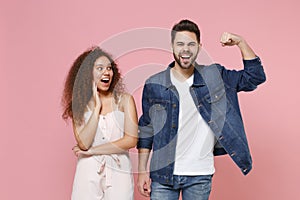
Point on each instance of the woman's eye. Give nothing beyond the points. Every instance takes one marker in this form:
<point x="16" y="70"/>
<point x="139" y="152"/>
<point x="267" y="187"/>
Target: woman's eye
<point x="109" y="68"/>
<point x="100" y="68"/>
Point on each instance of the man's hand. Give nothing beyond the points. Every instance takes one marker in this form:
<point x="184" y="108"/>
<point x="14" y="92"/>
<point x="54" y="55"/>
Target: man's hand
<point x="230" y="39"/>
<point x="143" y="184"/>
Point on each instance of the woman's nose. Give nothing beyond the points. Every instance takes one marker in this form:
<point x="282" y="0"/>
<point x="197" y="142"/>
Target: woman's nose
<point x="106" y="71"/>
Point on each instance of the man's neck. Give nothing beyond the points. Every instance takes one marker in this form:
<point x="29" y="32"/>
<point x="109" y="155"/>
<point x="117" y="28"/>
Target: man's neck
<point x="182" y="74"/>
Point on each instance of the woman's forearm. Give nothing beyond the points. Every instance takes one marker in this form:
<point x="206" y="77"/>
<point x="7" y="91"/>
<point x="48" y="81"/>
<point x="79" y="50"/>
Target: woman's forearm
<point x="85" y="134"/>
<point x="119" y="146"/>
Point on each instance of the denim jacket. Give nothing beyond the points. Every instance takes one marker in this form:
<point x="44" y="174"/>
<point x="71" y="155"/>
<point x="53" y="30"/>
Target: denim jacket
<point x="214" y="91"/>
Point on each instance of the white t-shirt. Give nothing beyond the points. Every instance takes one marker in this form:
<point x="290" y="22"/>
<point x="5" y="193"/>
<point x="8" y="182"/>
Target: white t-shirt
<point x="195" y="142"/>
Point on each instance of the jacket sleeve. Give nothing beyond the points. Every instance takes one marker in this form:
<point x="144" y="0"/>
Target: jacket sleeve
<point x="145" y="125"/>
<point x="247" y="79"/>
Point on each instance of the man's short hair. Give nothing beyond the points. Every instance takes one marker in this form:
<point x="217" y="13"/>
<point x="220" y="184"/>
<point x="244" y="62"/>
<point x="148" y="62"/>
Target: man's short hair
<point x="185" y="25"/>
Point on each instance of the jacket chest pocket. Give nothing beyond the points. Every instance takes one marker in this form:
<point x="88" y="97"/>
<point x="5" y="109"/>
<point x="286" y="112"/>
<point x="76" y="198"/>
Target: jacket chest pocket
<point x="215" y="96"/>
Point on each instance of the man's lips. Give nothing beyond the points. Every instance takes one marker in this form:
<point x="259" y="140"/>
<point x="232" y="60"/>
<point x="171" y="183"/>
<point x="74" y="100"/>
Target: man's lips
<point x="185" y="58"/>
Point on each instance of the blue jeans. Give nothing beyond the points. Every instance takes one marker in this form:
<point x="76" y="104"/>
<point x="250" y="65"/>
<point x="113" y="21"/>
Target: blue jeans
<point x="192" y="187"/>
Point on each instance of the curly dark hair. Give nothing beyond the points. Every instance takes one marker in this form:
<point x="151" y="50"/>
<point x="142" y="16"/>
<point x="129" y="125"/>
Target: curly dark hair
<point x="79" y="83"/>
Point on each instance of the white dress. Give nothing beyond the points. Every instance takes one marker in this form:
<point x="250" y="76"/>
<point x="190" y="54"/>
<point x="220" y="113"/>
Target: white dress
<point x="107" y="177"/>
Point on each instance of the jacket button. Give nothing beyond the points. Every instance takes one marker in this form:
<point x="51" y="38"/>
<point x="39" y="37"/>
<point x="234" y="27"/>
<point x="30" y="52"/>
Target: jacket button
<point x="173" y="125"/>
<point x="174" y="105"/>
<point x="232" y="154"/>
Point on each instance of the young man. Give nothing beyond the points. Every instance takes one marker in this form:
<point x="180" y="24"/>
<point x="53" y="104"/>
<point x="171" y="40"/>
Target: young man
<point x="190" y="114"/>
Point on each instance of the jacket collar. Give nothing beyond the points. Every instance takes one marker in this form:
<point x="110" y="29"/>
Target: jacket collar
<point x="198" y="79"/>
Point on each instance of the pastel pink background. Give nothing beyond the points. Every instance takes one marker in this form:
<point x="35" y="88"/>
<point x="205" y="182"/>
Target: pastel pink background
<point x="40" y="39"/>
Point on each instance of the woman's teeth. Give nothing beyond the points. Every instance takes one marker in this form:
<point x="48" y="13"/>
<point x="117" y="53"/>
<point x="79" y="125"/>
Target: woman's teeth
<point x="105" y="80"/>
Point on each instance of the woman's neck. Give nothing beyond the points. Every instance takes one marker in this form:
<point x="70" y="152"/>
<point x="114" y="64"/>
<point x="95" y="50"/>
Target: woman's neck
<point x="105" y="95"/>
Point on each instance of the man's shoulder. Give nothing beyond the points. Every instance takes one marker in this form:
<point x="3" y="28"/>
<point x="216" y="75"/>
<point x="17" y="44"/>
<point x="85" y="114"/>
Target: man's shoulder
<point x="209" y="72"/>
<point x="208" y="67"/>
<point x="158" y="77"/>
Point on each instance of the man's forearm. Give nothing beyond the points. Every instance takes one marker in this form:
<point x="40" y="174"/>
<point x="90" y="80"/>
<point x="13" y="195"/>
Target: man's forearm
<point x="246" y="50"/>
<point x="143" y="159"/>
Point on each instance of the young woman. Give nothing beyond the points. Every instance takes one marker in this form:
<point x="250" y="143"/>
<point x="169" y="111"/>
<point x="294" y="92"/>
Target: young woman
<point x="105" y="126"/>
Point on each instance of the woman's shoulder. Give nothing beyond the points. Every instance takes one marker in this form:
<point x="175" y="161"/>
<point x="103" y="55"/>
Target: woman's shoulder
<point x="125" y="100"/>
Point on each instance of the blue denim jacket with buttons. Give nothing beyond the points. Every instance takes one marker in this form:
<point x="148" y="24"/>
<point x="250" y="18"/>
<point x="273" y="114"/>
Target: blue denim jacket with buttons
<point x="214" y="91"/>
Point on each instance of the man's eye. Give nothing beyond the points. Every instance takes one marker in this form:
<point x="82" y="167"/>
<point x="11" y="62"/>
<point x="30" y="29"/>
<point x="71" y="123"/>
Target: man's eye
<point x="192" y="44"/>
<point x="180" y="44"/>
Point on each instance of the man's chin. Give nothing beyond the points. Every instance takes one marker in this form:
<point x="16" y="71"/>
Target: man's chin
<point x="186" y="66"/>
<point x="182" y="65"/>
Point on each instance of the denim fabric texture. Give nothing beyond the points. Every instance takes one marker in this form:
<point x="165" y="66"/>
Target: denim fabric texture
<point x="214" y="92"/>
<point x="191" y="187"/>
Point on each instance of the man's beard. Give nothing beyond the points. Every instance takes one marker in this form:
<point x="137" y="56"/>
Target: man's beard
<point x="177" y="59"/>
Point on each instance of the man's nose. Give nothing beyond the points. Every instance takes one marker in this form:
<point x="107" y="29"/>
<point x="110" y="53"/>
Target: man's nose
<point x="186" y="47"/>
